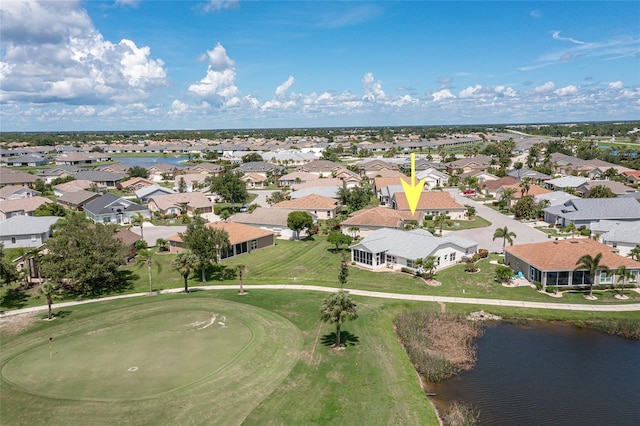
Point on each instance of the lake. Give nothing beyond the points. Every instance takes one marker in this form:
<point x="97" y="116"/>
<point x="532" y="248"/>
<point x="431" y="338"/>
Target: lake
<point x="150" y="161"/>
<point x="549" y="374"/>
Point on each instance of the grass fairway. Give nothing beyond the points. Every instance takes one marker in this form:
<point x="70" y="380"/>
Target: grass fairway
<point x="147" y="363"/>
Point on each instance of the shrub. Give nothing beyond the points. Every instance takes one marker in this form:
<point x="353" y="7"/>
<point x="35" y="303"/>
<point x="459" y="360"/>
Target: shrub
<point x="538" y="285"/>
<point x="428" y="217"/>
<point x="462" y="414"/>
<point x="585" y="232"/>
<point x="407" y="270"/>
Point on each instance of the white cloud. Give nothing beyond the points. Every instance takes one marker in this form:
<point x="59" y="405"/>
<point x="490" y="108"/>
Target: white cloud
<point x="372" y="90"/>
<point x="536" y="14"/>
<point x="87" y="111"/>
<point x="568" y="90"/>
<point x="442" y="94"/>
<point x="615" y="85"/>
<point x="470" y="91"/>
<point x="546" y="87"/>
<point x="556" y="36"/>
<point x="214" y="5"/>
<point x="505" y="91"/>
<point x="53" y="53"/>
<point x="220" y="79"/>
<point x="281" y="90"/>
<point x="131" y="3"/>
<point x="178" y="107"/>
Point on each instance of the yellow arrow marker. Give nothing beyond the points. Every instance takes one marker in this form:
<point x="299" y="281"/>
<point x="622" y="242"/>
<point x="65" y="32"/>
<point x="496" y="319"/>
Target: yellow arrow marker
<point x="413" y="190"/>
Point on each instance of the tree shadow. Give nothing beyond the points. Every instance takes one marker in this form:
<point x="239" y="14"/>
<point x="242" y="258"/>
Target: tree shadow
<point x="346" y="339"/>
<point x="220" y="272"/>
<point x="14" y="298"/>
<point x="121" y="282"/>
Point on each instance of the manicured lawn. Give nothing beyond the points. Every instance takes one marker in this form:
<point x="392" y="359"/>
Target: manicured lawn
<point x="456" y="225"/>
<point x="272" y="364"/>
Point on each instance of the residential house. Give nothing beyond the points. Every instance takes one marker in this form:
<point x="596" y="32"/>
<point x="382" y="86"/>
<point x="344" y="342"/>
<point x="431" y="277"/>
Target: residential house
<point x="136" y="183"/>
<point x="588" y="211"/>
<point x="291" y="157"/>
<point x="180" y="203"/>
<point x="372" y="168"/>
<point x="254" y="180"/>
<point x="296" y="178"/>
<point x="395" y="249"/>
<point x="58" y="172"/>
<point x="535" y="176"/>
<point x="78" y="199"/>
<point x="320" y="168"/>
<point x="555" y="198"/>
<point x="210" y="169"/>
<point x="568" y="165"/>
<point x="30" y="160"/>
<point x="420" y="164"/>
<point x="163" y="171"/>
<point x="478" y="163"/>
<point x="129" y="239"/>
<point x="325" y="191"/>
<point x="433" y="178"/>
<point x="16" y="192"/>
<point x="319" y="206"/>
<point x="192" y="182"/>
<point x="108" y="179"/>
<point x="261" y="168"/>
<point x="75" y="186"/>
<point x="554" y="263"/>
<point x="21" y="207"/>
<point x="80" y="158"/>
<point x="144" y="194"/>
<point x="242" y="238"/>
<point x="348" y="178"/>
<point x="26" y="231"/>
<point x="632" y="177"/>
<point x="114" y="168"/>
<point x="621" y="236"/>
<point x="491" y="187"/>
<point x="519" y="192"/>
<point x="15" y="177"/>
<point x="368" y="220"/>
<point x="274" y="220"/>
<point x="565" y="182"/>
<point x="109" y="208"/>
<point x="617" y="188"/>
<point x="431" y="203"/>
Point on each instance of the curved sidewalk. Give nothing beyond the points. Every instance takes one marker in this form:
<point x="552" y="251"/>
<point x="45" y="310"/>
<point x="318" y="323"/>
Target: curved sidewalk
<point x="397" y="296"/>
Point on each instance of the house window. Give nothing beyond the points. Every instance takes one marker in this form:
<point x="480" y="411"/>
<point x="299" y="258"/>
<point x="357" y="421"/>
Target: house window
<point x="452" y="257"/>
<point x="34" y="238"/>
<point x="438" y="261"/>
<point x="391" y="259"/>
<point x="13" y="240"/>
<point x="409" y="263"/>
<point x="606" y="277"/>
<point x="254" y="244"/>
<point x="445" y="257"/>
<point x="328" y="213"/>
<point x="580" y="278"/>
<point x="634" y="276"/>
<point x="360" y="256"/>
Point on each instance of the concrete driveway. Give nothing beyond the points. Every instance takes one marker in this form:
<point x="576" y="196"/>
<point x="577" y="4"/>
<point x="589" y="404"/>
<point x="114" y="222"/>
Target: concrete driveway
<point x="525" y="233"/>
<point x="262" y="196"/>
<point x="152" y="233"/>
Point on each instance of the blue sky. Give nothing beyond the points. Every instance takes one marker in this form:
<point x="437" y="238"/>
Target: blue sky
<point x="143" y="64"/>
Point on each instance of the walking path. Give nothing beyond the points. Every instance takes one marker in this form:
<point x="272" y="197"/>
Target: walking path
<point x="396" y="296"/>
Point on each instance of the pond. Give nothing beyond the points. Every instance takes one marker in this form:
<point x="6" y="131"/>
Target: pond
<point x="150" y="161"/>
<point x="549" y="374"/>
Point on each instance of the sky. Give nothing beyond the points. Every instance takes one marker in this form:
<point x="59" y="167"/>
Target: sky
<point x="234" y="64"/>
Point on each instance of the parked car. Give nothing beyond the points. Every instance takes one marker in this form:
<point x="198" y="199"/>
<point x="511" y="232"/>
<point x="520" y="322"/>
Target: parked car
<point x="469" y="192"/>
<point x="244" y="208"/>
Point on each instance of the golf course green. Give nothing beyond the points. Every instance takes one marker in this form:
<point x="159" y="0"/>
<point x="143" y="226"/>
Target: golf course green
<point x="155" y="357"/>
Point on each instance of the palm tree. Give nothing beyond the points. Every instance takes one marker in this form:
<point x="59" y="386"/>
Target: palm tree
<point x="240" y="268"/>
<point x="525" y="184"/>
<point x="163" y="244"/>
<point x="145" y="257"/>
<point x="338" y="308"/>
<point x="440" y="220"/>
<point x="505" y="234"/>
<point x="623" y="275"/>
<point x="591" y="264"/>
<point x="418" y="264"/>
<point x="138" y="220"/>
<point x="185" y="263"/>
<point x="634" y="253"/>
<point x="49" y="291"/>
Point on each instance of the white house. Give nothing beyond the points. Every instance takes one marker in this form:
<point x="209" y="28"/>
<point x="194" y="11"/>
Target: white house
<point x="393" y="248"/>
<point x="26" y="231"/>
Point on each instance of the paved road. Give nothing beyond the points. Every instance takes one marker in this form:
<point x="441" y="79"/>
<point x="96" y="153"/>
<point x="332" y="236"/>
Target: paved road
<point x="262" y="197"/>
<point x="525" y="233"/>
<point x="417" y="297"/>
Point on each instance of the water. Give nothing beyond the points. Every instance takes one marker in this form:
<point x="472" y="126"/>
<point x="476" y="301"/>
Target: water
<point x="150" y="161"/>
<point x="550" y="374"/>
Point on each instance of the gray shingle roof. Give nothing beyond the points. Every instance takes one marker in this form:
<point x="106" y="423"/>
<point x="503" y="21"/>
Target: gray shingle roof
<point x="27" y="225"/>
<point x="598" y="208"/>
<point x="413" y="244"/>
<point x="108" y="203"/>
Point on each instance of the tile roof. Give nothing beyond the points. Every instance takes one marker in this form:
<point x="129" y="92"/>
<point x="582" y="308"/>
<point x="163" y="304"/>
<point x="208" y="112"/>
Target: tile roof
<point x="195" y="200"/>
<point x="562" y="255"/>
<point x="325" y="191"/>
<point x="8" y="177"/>
<point x="75" y="185"/>
<point x="239" y="233"/>
<point x="263" y="216"/>
<point x="29" y="204"/>
<point x="77" y="198"/>
<point x="377" y="216"/>
<point x="429" y="200"/>
<point x="533" y="190"/>
<point x="318" y="182"/>
<point x="310" y="202"/>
